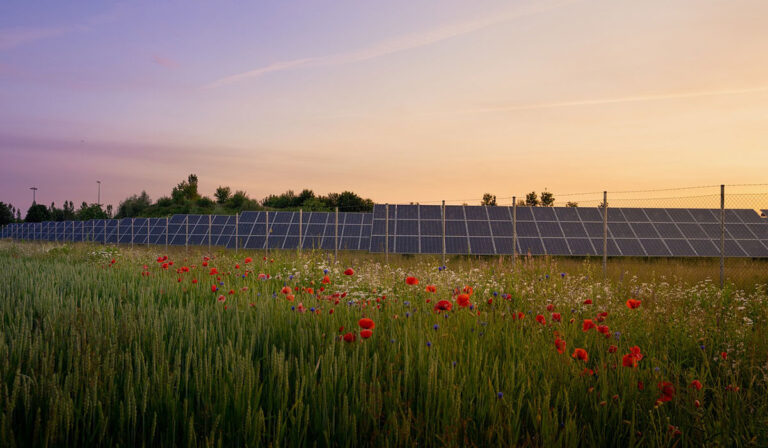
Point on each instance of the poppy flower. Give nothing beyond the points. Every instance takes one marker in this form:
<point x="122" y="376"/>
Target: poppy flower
<point x="612" y="349"/>
<point x="468" y="290"/>
<point x="696" y="384"/>
<point x="443" y="305"/>
<point x="213" y="288"/>
<point x="365" y="334"/>
<point x="325" y="280"/>
<point x="349" y="337"/>
<point x="463" y="300"/>
<point x="231" y="291"/>
<point x="550" y="307"/>
<point x="540" y="319"/>
<point x="628" y="360"/>
<point x="560" y="345"/>
<point x="640" y="386"/>
<point x="604" y="330"/>
<point x="366" y="323"/>
<point x="633" y="304"/>
<point x="205" y="264"/>
<point x="237" y="266"/>
<point x="635" y="351"/>
<point x="556" y="317"/>
<point x="248" y="260"/>
<point x="214" y="271"/>
<point x="411" y="281"/>
<point x="286" y="290"/>
<point x="580" y="354"/>
<point x="290" y="297"/>
<point x="222" y="298"/>
<point x="349" y="271"/>
<point x="194" y="280"/>
<point x="588" y="302"/>
<point x="601" y="316"/>
<point x="587" y="325"/>
<point x="724" y="355"/>
<point x="431" y="288"/>
<point x="667" y="391"/>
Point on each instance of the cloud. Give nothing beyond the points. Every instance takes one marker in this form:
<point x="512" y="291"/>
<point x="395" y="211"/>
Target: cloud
<point x="14" y="37"/>
<point x="618" y="100"/>
<point x="165" y="62"/>
<point x="396" y="45"/>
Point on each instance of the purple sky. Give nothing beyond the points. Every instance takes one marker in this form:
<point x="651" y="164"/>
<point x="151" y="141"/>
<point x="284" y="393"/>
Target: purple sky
<point x="398" y="101"/>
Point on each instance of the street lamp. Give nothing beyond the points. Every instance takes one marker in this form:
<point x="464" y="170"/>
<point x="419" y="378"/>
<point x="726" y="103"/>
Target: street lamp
<point x="98" y="200"/>
<point x="34" y="190"/>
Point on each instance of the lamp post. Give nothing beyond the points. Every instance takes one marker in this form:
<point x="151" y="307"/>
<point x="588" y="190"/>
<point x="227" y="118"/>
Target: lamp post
<point x="34" y="190"/>
<point x="98" y="198"/>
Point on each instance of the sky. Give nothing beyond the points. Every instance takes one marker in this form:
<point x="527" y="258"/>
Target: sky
<point x="398" y="101"/>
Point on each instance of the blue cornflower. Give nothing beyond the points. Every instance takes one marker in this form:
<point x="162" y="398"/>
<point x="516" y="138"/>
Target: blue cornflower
<point x="617" y="335"/>
<point x="293" y="308"/>
<point x="500" y="395"/>
<point x="221" y="283"/>
<point x="495" y="293"/>
<point x="429" y="344"/>
<point x="435" y="326"/>
<point x="454" y="363"/>
<point x="407" y="314"/>
<point x="290" y="277"/>
<point x="312" y="309"/>
<point x="562" y="274"/>
<point x="325" y="271"/>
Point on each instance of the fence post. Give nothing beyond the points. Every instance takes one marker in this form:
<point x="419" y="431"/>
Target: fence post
<point x="210" y="229"/>
<point x="386" y="233"/>
<point x="722" y="236"/>
<point x="147" y="221"/>
<point x="166" y="234"/>
<point x="266" y="233"/>
<point x="105" y="232"/>
<point x="514" y="231"/>
<point x="132" y="220"/>
<point x="117" y="233"/>
<point x="442" y="211"/>
<point x="186" y="233"/>
<point x="237" y="231"/>
<point x="336" y="237"/>
<point x="82" y="229"/>
<point x="605" y="235"/>
<point x="301" y="224"/>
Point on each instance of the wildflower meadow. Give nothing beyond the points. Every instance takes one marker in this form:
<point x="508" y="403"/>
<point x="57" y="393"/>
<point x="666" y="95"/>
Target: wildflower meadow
<point x="113" y="346"/>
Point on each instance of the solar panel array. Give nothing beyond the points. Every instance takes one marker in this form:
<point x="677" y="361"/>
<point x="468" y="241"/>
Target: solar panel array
<point x="418" y="229"/>
<point x="574" y="231"/>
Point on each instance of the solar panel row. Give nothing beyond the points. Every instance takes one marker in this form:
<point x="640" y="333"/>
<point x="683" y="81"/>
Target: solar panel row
<point x="419" y="229"/>
<point x="569" y="231"/>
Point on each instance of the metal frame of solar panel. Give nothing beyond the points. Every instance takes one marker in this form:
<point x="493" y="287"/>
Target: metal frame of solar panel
<point x="317" y="228"/>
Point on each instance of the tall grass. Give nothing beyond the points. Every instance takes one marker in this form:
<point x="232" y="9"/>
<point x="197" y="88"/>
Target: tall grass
<point x="95" y="354"/>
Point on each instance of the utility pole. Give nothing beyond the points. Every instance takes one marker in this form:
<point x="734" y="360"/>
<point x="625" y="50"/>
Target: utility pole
<point x="34" y="190"/>
<point x="98" y="198"/>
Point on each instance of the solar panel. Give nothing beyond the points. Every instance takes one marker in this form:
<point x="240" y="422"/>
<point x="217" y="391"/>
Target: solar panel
<point x="589" y="214"/>
<point x="481" y="246"/>
<point x="635" y="215"/>
<point x="479" y="228"/>
<point x="527" y="229"/>
<point x="705" y="248"/>
<point x="753" y="248"/>
<point x="615" y="215"/>
<point x="644" y="230"/>
<point x="619" y="229"/>
<point x="680" y="215"/>
<point x="555" y="246"/>
<point x="680" y="247"/>
<point x="655" y="247"/>
<point x="692" y="231"/>
<point x="582" y="246"/>
<point x="544" y="214"/>
<point x="668" y="230"/>
<point x="567" y="214"/>
<point x="657" y="215"/>
<point x="530" y="245"/>
<point x="550" y="230"/>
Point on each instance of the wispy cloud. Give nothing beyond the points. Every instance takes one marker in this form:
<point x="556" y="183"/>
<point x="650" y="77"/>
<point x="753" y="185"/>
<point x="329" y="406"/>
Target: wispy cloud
<point x="165" y="62"/>
<point x="618" y="100"/>
<point x="396" y="45"/>
<point x="18" y="36"/>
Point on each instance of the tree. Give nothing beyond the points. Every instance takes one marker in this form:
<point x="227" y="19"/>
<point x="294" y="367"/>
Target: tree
<point x="133" y="206"/>
<point x="237" y="200"/>
<point x="547" y="199"/>
<point x="222" y="194"/>
<point x="93" y="211"/>
<point x="37" y="213"/>
<point x="571" y="204"/>
<point x="350" y="202"/>
<point x="6" y="214"/>
<point x="532" y="199"/>
<point x="488" y="199"/>
<point x="186" y="190"/>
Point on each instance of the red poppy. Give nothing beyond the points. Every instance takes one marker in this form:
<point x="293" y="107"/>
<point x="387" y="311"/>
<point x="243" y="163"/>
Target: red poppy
<point x="588" y="302"/>
<point x="213" y="288"/>
<point x="540" y="319"/>
<point x="248" y="260"/>
<point x="310" y="291"/>
<point x="580" y="354"/>
<point x="633" y="304"/>
<point x="667" y="391"/>
<point x="349" y="271"/>
<point x="431" y="288"/>
<point x="325" y="280"/>
<point x="286" y="290"/>
<point x="724" y="355"/>
<point x="194" y="280"/>
<point x="443" y="305"/>
<point x="604" y="330"/>
<point x="628" y="360"/>
<point x="556" y="317"/>
<point x="289" y="297"/>
<point x="349" y="337"/>
<point x="468" y="290"/>
<point x="696" y="384"/>
<point x="550" y="307"/>
<point x="635" y="351"/>
<point x="411" y="281"/>
<point x="231" y="291"/>
<point x="214" y="271"/>
<point x="560" y="345"/>
<point x="205" y="264"/>
<point x="640" y="386"/>
<point x="587" y="325"/>
<point x="365" y="334"/>
<point x="222" y="298"/>
<point x="601" y="316"/>
<point x="613" y="349"/>
<point x="366" y="323"/>
<point x="463" y="300"/>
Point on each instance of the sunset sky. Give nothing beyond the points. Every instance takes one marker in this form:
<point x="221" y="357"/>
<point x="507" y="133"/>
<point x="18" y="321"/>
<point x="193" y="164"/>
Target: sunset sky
<point x="398" y="101"/>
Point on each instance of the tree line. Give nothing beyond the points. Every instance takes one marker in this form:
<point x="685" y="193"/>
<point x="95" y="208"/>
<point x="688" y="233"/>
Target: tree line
<point x="185" y="198"/>
<point x="532" y="199"/>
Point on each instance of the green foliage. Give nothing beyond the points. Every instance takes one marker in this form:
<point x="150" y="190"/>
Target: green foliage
<point x="37" y="213"/>
<point x="488" y="199"/>
<point x="6" y="214"/>
<point x="90" y="211"/>
<point x="532" y="199"/>
<point x="547" y="199"/>
<point x="222" y="194"/>
<point x="347" y="201"/>
<point x="571" y="204"/>
<point x="134" y="206"/>
<point x="96" y="355"/>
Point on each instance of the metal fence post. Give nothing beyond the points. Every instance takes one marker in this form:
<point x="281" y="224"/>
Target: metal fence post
<point x="514" y="230"/>
<point x="237" y="231"/>
<point x="186" y="233"/>
<point x="210" y="229"/>
<point x="442" y="211"/>
<point x="266" y="233"/>
<point x="336" y="236"/>
<point x="147" y="221"/>
<point x="605" y="235"/>
<point x="166" y="234"/>
<point x="132" y="220"/>
<point x="105" y="232"/>
<point x="722" y="236"/>
<point x="301" y="224"/>
<point x="386" y="233"/>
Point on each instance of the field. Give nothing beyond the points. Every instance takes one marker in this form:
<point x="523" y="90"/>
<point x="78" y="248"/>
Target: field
<point x="108" y="346"/>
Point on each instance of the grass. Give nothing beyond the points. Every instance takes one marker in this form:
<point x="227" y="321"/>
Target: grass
<point x="94" y="353"/>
